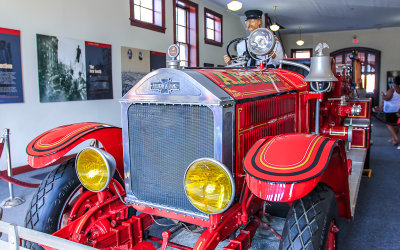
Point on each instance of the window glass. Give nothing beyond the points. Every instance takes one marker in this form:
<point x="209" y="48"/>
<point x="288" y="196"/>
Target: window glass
<point x="146" y="15"/>
<point x="370" y="86"/>
<point x="361" y="55"/>
<point x="180" y="16"/>
<point x="210" y="34"/>
<point x="348" y="60"/>
<point x="338" y="59"/>
<point x="183" y="55"/>
<point x="210" y="23"/>
<point x="147" y="4"/>
<point x="371" y="63"/>
<point x="302" y="54"/>
<point x="181" y="34"/>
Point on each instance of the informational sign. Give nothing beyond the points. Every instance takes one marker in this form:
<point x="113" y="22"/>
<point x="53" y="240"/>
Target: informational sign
<point x="10" y="66"/>
<point x="73" y="70"/>
<point x="136" y="63"/>
<point x="98" y="71"/>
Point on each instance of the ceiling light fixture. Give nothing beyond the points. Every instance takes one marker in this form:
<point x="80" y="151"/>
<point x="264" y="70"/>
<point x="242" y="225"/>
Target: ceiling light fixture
<point x="274" y="27"/>
<point x="234" y="5"/>
<point x="300" y="42"/>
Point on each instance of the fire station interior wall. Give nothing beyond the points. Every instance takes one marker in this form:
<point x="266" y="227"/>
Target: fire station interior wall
<point x="103" y="21"/>
<point x="384" y="39"/>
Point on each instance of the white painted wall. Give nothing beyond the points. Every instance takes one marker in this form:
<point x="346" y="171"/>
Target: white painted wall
<point x="104" y="21"/>
<point x="385" y="40"/>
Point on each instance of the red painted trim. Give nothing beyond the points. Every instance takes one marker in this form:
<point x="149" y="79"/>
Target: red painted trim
<point x="26" y="168"/>
<point x="101" y="45"/>
<point x="158" y="53"/>
<point x="10" y="31"/>
<point x="217" y="15"/>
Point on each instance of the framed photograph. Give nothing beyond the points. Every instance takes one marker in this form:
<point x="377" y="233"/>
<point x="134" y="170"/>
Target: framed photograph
<point x="73" y="70"/>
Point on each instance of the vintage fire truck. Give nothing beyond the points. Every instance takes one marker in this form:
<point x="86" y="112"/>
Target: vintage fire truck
<point x="214" y="150"/>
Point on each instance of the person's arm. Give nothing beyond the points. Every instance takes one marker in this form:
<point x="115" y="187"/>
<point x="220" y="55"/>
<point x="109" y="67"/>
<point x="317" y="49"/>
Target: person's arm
<point x="388" y="95"/>
<point x="277" y="54"/>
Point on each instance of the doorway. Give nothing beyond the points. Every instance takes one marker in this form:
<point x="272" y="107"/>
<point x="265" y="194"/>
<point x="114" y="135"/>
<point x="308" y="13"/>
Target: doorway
<point x="370" y="68"/>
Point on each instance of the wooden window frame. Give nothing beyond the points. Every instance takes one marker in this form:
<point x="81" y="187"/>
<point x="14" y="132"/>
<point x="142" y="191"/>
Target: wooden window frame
<point x="293" y="51"/>
<point x="193" y="52"/>
<point x="216" y="16"/>
<point x="146" y="25"/>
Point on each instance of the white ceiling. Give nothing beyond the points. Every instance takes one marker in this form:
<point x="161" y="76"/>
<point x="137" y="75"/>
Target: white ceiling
<point x="326" y="15"/>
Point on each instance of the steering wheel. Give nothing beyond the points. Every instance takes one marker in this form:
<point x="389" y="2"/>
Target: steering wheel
<point x="235" y="58"/>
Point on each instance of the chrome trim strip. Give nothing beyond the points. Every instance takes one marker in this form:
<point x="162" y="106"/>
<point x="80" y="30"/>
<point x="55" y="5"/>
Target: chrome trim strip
<point x="166" y="208"/>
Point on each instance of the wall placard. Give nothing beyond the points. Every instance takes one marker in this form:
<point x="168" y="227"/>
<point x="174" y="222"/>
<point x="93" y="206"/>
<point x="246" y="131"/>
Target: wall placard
<point x="73" y="70"/>
<point x="136" y="63"/>
<point x="10" y="66"/>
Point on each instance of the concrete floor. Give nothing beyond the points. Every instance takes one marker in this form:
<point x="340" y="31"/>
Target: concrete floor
<point x="376" y="224"/>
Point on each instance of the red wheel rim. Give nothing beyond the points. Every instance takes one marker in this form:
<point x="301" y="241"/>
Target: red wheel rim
<point x="330" y="242"/>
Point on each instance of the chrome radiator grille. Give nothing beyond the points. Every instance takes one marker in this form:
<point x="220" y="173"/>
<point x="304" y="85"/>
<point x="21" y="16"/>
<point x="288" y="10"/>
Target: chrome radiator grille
<point x="163" y="141"/>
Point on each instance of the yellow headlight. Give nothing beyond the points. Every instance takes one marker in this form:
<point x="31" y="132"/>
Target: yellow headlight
<point x="209" y="186"/>
<point x="95" y="168"/>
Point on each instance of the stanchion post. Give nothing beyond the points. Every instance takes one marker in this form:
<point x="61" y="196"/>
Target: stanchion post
<point x="10" y="201"/>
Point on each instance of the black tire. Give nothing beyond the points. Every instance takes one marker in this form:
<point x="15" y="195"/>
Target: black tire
<point x="309" y="219"/>
<point x="50" y="198"/>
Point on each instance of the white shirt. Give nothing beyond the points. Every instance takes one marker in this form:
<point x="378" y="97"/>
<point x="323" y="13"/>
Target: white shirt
<point x="241" y="49"/>
<point x="393" y="105"/>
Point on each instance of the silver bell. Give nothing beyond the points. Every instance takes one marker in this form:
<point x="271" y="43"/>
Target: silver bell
<point x="320" y="68"/>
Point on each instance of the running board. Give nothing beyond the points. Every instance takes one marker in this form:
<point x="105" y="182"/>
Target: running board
<point x="358" y="157"/>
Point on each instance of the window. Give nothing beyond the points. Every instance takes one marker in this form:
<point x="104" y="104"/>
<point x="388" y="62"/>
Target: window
<point x="148" y="14"/>
<point x="301" y="53"/>
<point x="370" y="68"/>
<point x="186" y="32"/>
<point x="212" y="27"/>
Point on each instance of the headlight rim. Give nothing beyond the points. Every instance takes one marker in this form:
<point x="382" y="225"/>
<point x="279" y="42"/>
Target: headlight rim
<point x="110" y="165"/>
<point x="252" y="34"/>
<point x="227" y="171"/>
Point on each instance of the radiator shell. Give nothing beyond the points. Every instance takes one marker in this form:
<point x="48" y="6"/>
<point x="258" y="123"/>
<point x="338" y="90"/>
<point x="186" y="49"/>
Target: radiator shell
<point x="169" y="96"/>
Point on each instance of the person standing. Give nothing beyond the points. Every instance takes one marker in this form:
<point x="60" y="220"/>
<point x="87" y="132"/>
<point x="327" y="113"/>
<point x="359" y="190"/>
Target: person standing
<point x="253" y="22"/>
<point x="391" y="105"/>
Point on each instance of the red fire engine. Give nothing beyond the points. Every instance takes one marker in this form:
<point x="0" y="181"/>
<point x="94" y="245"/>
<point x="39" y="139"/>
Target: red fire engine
<point x="216" y="149"/>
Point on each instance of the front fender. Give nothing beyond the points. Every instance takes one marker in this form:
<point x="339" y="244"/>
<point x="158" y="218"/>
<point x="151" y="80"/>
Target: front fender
<point x="49" y="147"/>
<point x="287" y="167"/>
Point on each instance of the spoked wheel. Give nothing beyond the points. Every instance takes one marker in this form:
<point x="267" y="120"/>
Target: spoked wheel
<point x="310" y="223"/>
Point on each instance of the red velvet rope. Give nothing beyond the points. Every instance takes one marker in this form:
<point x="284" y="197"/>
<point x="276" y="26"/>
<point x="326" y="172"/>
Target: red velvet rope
<point x="13" y="180"/>
<point x="17" y="182"/>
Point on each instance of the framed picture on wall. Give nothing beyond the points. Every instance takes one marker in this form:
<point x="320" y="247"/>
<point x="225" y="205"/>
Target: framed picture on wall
<point x="10" y="66"/>
<point x="73" y="70"/>
<point x="390" y="77"/>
